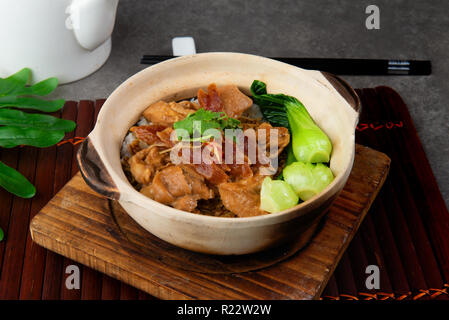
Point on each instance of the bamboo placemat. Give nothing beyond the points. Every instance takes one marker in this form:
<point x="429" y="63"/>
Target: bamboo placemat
<point x="404" y="233"/>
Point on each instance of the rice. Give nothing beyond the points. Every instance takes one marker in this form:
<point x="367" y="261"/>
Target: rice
<point x="142" y="122"/>
<point x="129" y="138"/>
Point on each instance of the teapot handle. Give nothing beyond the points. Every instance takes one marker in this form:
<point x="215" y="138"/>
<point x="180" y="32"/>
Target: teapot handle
<point x="92" y="21"/>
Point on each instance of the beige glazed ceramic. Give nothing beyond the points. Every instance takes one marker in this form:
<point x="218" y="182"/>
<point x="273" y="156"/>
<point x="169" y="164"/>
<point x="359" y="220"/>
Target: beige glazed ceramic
<point x="329" y="100"/>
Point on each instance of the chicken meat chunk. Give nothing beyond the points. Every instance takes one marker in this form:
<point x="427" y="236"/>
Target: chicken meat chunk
<point x="243" y="197"/>
<point x="144" y="163"/>
<point x="178" y="186"/>
<point x="166" y="113"/>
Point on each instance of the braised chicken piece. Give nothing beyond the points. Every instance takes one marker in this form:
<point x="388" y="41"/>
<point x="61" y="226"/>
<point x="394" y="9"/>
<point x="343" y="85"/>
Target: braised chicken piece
<point x="167" y="113"/>
<point x="231" y="183"/>
<point x="145" y="163"/>
<point x="165" y="136"/>
<point x="239" y="171"/>
<point x="178" y="186"/>
<point x="214" y="173"/>
<point x="242" y="197"/>
<point x="147" y="134"/>
<point x="210" y="100"/>
<point x="268" y="162"/>
<point x="136" y="146"/>
<point x="234" y="101"/>
<point x="283" y="138"/>
<point x="227" y="98"/>
<point x="240" y="166"/>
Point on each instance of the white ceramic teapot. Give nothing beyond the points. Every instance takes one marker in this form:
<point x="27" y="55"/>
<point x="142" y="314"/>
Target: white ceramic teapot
<point x="68" y="39"/>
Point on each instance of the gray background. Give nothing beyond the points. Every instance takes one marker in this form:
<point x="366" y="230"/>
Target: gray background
<point x="320" y="28"/>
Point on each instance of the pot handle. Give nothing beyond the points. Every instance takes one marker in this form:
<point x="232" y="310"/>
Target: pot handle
<point x="94" y="172"/>
<point x="345" y="90"/>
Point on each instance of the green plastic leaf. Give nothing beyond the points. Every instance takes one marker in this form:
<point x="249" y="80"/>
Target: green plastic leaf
<point x="16" y="85"/>
<point x="14" y="136"/>
<point x="21" y="77"/>
<point x="31" y="103"/>
<point x="39" y="89"/>
<point x="277" y="195"/>
<point x="307" y="179"/>
<point x="15" y="182"/>
<point x="22" y="128"/>
<point x="19" y="118"/>
<point x="14" y="81"/>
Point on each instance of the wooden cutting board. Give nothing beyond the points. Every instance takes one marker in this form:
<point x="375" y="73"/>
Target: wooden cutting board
<point x="84" y="226"/>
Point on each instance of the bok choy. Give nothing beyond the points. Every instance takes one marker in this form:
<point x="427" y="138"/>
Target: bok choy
<point x="305" y="174"/>
<point x="277" y="195"/>
<point x="307" y="179"/>
<point x="310" y="144"/>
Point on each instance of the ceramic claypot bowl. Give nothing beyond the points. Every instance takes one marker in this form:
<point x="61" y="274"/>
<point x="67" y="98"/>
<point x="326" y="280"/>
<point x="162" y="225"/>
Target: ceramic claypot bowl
<point x="330" y="101"/>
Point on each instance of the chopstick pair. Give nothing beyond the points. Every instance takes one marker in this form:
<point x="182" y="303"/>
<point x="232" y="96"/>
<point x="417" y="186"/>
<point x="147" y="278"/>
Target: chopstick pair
<point x="368" y="67"/>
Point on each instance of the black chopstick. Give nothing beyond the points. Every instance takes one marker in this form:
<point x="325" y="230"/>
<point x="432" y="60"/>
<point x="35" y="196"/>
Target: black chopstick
<point x="367" y="67"/>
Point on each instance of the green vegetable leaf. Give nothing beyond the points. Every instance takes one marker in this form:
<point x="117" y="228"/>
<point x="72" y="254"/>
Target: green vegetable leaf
<point x="22" y="128"/>
<point x="31" y="103"/>
<point x="229" y="123"/>
<point x="310" y="143"/>
<point x="45" y="122"/>
<point x="11" y="136"/>
<point x="15" y="81"/>
<point x="14" y="88"/>
<point x="39" y="89"/>
<point x="202" y="120"/>
<point x="15" y="183"/>
<point x="258" y="88"/>
<point x="307" y="179"/>
<point x="272" y="108"/>
<point x="277" y="195"/>
<point x="16" y="85"/>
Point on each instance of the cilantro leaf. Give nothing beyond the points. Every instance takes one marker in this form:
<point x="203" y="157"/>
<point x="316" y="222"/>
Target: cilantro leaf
<point x="202" y="120"/>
